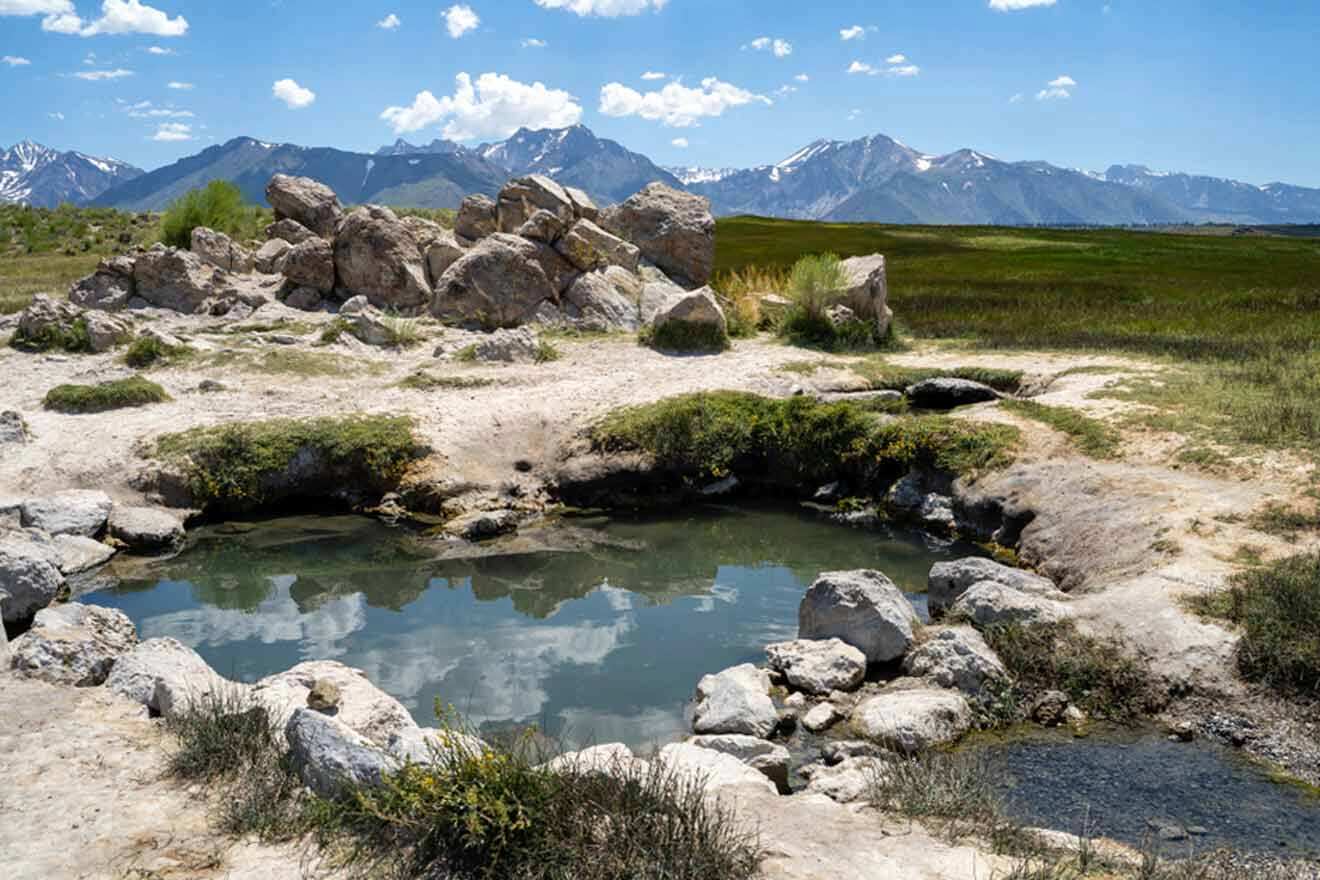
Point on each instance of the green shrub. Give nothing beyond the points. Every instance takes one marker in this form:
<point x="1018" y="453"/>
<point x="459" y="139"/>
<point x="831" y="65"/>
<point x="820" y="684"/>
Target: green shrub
<point x="219" y="206"/>
<point x="684" y="337"/>
<point x="73" y="338"/>
<point x="147" y="351"/>
<point x="119" y="394"/>
<point x="546" y="352"/>
<point x="816" y="283"/>
<point x="244" y="465"/>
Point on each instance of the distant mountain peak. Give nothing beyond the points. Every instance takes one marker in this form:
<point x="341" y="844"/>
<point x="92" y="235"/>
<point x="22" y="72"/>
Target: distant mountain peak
<point x="35" y="174"/>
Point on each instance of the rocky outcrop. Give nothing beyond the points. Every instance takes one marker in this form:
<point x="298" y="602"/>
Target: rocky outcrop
<point x="818" y="667"/>
<point x="167" y="676"/>
<point x="523" y="197"/>
<point x="270" y="257"/>
<point x="715" y="769"/>
<point x="329" y="756"/>
<point x="604" y="300"/>
<point x="862" y="608"/>
<point x="690" y="320"/>
<point x="476" y="218"/>
<point x="988" y="603"/>
<point x="913" y="720"/>
<point x="589" y="247"/>
<point x="71" y="512"/>
<point x="442" y="251"/>
<point x="105" y="332"/>
<point x="363" y="707"/>
<point x="949" y="580"/>
<point x="289" y="231"/>
<point x="673" y="229"/>
<point x="179" y="280"/>
<point x="220" y="250"/>
<point x="314" y="205"/>
<point x="956" y="658"/>
<point x="759" y="754"/>
<point x="310" y="264"/>
<point x="867" y="291"/>
<point x="506" y="346"/>
<point x="29" y="573"/>
<point x="78" y="554"/>
<point x="73" y="644"/>
<point x="108" y="289"/>
<point x="736" y="700"/>
<point x="499" y="282"/>
<point x="376" y="256"/>
<point x="946" y="392"/>
<point x="145" y="529"/>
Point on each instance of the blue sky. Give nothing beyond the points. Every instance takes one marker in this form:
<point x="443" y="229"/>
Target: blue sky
<point x="1226" y="88"/>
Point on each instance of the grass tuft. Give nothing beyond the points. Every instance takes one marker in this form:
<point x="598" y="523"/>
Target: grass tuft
<point x="424" y="381"/>
<point x="546" y="352"/>
<point x="119" y="394"/>
<point x="891" y="377"/>
<point x="73" y="338"/>
<point x="1091" y="436"/>
<point x="149" y="351"/>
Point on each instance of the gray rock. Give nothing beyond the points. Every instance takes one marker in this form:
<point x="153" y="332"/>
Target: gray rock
<point x="377" y="256"/>
<point x="220" y="250"/>
<point x="354" y="306"/>
<point x="542" y="226"/>
<point x="441" y="253"/>
<point x="698" y="309"/>
<point x="289" y="231"/>
<point x="949" y="580"/>
<point x="312" y="204"/>
<point x="364" y="707"/>
<point x="864" y="609"/>
<point x="71" y="512"/>
<point x="522" y="197"/>
<point x="167" y="677"/>
<point x="596" y="302"/>
<point x="822" y="717"/>
<point x="45" y="316"/>
<point x="947" y="393"/>
<point x="426" y="745"/>
<point x="583" y="207"/>
<point x="476" y="218"/>
<point x="589" y="247"/>
<point x="673" y="229"/>
<point x="1050" y="708"/>
<point x="655" y="293"/>
<point x="868" y="290"/>
<point x="104" y="331"/>
<point x="989" y="603"/>
<point x="107" y="289"/>
<point x="499" y="282"/>
<point x="913" y="496"/>
<point x="145" y="529"/>
<point x="306" y="299"/>
<point x="736" y="700"/>
<point x="372" y="327"/>
<point x="79" y="554"/>
<point x="330" y="757"/>
<point x="29" y="573"/>
<point x="507" y="346"/>
<point x="270" y="257"/>
<point x="13" y="428"/>
<point x="956" y="658"/>
<point x="180" y="281"/>
<point x="482" y="525"/>
<point x="311" y="264"/>
<point x="759" y="754"/>
<point x="715" y="770"/>
<point x="913" y="720"/>
<point x="73" y="644"/>
<point x="610" y="759"/>
<point x="849" y="781"/>
<point x="818" y="666"/>
<point x="838" y="751"/>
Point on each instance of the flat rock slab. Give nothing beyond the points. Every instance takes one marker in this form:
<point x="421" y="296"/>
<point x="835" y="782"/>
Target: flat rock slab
<point x="913" y="720"/>
<point x="145" y="529"/>
<point x="73" y="512"/>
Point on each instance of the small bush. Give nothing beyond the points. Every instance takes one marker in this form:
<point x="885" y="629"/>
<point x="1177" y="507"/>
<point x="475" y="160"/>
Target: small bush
<point x="1278" y="608"/>
<point x="424" y="381"/>
<point x="1091" y="436"/>
<point x="72" y="338"/>
<point x="402" y="332"/>
<point x="147" y="351"/>
<point x="219" y="206"/>
<point x="815" y="284"/>
<point x="335" y="329"/>
<point x="684" y="337"/>
<point x="119" y="394"/>
<point x="545" y="352"/>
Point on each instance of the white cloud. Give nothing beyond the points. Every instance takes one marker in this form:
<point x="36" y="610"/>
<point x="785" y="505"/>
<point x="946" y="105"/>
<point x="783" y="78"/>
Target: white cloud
<point x="784" y="91"/>
<point x="604" y="8"/>
<point x="1015" y="5"/>
<point x="534" y="43"/>
<point x="681" y="143"/>
<point x="57" y="116"/>
<point x="173" y="131"/>
<point x="98" y="75"/>
<point x="180" y="86"/>
<point x="856" y="32"/>
<point x="853" y="114"/>
<point x="904" y="70"/>
<point x="495" y="106"/>
<point x="158" y="50"/>
<point x="1058" y="89"/>
<point x="1063" y="82"/>
<point x="654" y="75"/>
<point x="802" y="77"/>
<point x="460" y="19"/>
<point x="676" y="105"/>
<point x="1016" y="99"/>
<point x="861" y="67"/>
<point x="389" y="22"/>
<point x="780" y="48"/>
<point x="35" y="7"/>
<point x="146" y="110"/>
<point x="292" y="94"/>
<point x="896" y="59"/>
<point x="118" y="17"/>
<point x="15" y="61"/>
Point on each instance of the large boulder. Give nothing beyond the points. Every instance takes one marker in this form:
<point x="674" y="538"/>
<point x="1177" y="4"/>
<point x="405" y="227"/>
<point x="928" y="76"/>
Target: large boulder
<point x="330" y="757"/>
<point x="759" y="754"/>
<point x="377" y="257"/>
<point x="312" y="204"/>
<point x="867" y="291"/>
<point x="270" y="257"/>
<point x="510" y="346"/>
<point x="913" y="720"/>
<point x="543" y="226"/>
<point x="181" y="281"/>
<point x="864" y="609"/>
<point x="288" y="231"/>
<point x="476" y="218"/>
<point x="673" y="229"/>
<point x="818" y="667"/>
<point x="105" y="331"/>
<point x="583" y="206"/>
<point x="715" y="770"/>
<point x="220" y="250"/>
<point x="45" y="318"/>
<point x="499" y="282"/>
<point x="949" y="580"/>
<point x="948" y="392"/>
<point x="736" y="700"/>
<point x="73" y="644"/>
<point x="691" y="320"/>
<point x="29" y="573"/>
<point x="364" y="707"/>
<point x="71" y="512"/>
<point x="107" y="289"/>
<point x="989" y="603"/>
<point x="600" y="301"/>
<point x="310" y="264"/>
<point x="145" y="529"/>
<point x="957" y="658"/>
<point x="589" y="247"/>
<point x="442" y="251"/>
<point x="522" y="197"/>
<point x="167" y="677"/>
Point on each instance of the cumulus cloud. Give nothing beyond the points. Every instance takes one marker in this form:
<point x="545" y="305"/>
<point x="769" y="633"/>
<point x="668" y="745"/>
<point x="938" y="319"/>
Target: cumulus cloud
<point x="1016" y="99"/>
<point x="117" y="17"/>
<point x="35" y="7"/>
<point x="147" y="110"/>
<point x="389" y="22"/>
<point x="159" y="50"/>
<point x="493" y="106"/>
<point x="173" y="131"/>
<point x="897" y="67"/>
<point x="681" y="143"/>
<point x="904" y="70"/>
<point x="57" y="116"/>
<point x="854" y="114"/>
<point x="179" y="86"/>
<point x="861" y="67"/>
<point x="460" y="19"/>
<point x="534" y="43"/>
<point x="676" y="105"/>
<point x="292" y="94"/>
<point x="802" y="77"/>
<point x="15" y="61"/>
<point x="99" y="75"/>
<point x="785" y="91"/>
<point x="604" y="8"/>
<point x="654" y="75"/>
<point x="1057" y="89"/>
<point x="780" y="48"/>
<point x="896" y="59"/>
<point x="856" y="32"/>
<point x="1015" y="5"/>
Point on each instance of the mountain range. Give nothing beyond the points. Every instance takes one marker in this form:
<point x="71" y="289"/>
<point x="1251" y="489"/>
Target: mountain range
<point x="874" y="179"/>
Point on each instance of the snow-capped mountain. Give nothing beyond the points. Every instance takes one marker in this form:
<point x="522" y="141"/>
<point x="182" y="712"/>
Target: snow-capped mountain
<point x="697" y="174"/>
<point x="1223" y="201"/>
<point x="38" y="175"/>
<point x="439" y="146"/>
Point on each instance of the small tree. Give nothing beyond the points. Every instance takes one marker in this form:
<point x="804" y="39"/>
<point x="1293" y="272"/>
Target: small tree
<point x="219" y="206"/>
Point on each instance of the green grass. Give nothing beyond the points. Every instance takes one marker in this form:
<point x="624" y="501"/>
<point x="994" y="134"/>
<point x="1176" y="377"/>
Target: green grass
<point x="1277" y="605"/>
<point x="798" y="442"/>
<point x="546" y="352"/>
<point x="119" y="394"/>
<point x="885" y="376"/>
<point x="284" y="361"/>
<point x="1091" y="436"/>
<point x="424" y="381"/>
<point x="73" y="338"/>
<point x="243" y="466"/>
<point x="149" y="351"/>
<point x="219" y="206"/>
